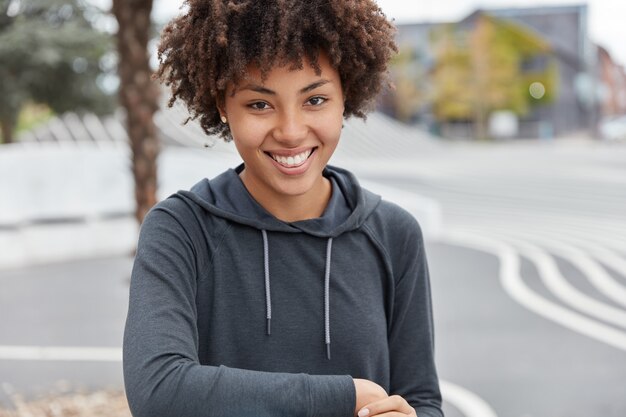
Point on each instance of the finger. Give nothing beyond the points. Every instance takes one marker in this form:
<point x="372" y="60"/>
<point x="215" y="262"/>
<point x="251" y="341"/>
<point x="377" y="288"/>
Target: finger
<point x="394" y="403"/>
<point x="391" y="414"/>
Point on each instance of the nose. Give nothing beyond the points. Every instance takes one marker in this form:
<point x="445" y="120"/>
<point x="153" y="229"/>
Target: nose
<point x="291" y="128"/>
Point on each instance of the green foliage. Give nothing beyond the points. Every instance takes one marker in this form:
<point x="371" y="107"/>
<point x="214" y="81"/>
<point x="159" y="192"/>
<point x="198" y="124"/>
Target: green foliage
<point x="32" y="115"/>
<point x="50" y="53"/>
<point x="480" y="69"/>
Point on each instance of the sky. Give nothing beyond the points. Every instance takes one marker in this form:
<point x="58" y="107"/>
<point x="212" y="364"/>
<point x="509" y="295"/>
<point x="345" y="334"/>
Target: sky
<point x="607" y="24"/>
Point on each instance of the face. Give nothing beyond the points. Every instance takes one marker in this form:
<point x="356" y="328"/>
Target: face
<point x="286" y="128"/>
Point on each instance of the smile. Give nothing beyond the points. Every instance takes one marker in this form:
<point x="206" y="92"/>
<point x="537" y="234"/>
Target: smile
<point x="292" y="160"/>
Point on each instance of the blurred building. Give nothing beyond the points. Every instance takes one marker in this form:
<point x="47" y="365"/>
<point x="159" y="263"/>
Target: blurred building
<point x="613" y="85"/>
<point x="533" y="69"/>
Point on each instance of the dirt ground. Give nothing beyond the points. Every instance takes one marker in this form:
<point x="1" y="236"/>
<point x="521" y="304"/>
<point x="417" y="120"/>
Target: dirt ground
<point x="94" y="404"/>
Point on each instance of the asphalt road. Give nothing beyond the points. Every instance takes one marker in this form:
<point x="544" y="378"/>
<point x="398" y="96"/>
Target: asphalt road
<point x="529" y="272"/>
<point x="518" y="362"/>
<point x="75" y="304"/>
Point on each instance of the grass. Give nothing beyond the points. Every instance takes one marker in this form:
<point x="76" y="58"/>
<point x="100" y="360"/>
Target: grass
<point x="33" y="115"/>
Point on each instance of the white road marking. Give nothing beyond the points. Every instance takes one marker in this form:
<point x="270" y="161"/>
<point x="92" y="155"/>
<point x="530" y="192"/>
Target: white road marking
<point x="60" y="353"/>
<point x="554" y="280"/>
<point x="596" y="274"/>
<point x="468" y="403"/>
<point x="605" y="255"/>
<point x="515" y="287"/>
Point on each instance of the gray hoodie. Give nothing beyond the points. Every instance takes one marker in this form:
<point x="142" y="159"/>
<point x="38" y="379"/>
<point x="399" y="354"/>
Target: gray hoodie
<point x="235" y="313"/>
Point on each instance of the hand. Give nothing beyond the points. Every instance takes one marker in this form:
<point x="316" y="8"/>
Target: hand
<point x="393" y="406"/>
<point x="367" y="392"/>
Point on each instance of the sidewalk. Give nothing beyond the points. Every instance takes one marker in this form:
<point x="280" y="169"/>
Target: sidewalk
<point x="67" y="202"/>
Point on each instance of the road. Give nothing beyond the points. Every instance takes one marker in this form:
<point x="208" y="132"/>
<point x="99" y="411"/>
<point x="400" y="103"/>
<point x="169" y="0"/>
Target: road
<point x="528" y="275"/>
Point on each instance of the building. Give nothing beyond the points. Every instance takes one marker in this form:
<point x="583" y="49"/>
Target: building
<point x="576" y="101"/>
<point x="613" y="85"/>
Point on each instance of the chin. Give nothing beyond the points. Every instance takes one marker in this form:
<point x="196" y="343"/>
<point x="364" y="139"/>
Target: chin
<point x="294" y="187"/>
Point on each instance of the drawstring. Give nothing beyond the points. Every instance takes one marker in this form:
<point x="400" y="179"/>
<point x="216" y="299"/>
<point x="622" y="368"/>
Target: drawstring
<point x="268" y="296"/>
<point x="327" y="297"/>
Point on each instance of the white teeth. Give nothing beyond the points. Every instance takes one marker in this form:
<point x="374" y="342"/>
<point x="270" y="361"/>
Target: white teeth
<point x="291" y="161"/>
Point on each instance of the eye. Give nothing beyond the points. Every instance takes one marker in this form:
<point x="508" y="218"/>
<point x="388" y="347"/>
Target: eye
<point x="316" y="101"/>
<point x="259" y="105"/>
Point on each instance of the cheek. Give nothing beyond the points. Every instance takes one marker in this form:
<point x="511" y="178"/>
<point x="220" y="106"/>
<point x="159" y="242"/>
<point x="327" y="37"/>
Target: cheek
<point x="247" y="133"/>
<point x="331" y="130"/>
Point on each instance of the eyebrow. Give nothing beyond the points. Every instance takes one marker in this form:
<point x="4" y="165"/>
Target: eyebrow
<point x="265" y="90"/>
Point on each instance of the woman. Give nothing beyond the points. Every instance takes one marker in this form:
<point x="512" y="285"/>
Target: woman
<point x="241" y="284"/>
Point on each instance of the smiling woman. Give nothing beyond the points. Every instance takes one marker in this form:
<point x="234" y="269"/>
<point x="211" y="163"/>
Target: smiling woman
<point x="230" y="309"/>
<point x="286" y="128"/>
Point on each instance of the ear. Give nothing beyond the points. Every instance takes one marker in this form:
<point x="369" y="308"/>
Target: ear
<point x="220" y="102"/>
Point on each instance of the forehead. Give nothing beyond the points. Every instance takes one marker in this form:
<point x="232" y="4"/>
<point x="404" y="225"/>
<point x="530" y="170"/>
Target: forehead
<point x="289" y="75"/>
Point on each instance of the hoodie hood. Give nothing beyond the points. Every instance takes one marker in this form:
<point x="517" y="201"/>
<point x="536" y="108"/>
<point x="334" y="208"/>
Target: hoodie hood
<point x="227" y="197"/>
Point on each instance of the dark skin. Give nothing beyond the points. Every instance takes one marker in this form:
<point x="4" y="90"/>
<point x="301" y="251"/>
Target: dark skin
<point x="289" y="114"/>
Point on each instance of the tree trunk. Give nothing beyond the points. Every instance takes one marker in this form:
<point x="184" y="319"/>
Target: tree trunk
<point x="7" y="127"/>
<point x="139" y="96"/>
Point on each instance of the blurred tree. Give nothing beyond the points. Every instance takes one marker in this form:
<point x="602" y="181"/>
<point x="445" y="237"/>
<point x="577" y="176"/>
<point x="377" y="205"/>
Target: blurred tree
<point x="451" y="75"/>
<point x="481" y="69"/>
<point x="50" y="53"/>
<point x="139" y="96"/>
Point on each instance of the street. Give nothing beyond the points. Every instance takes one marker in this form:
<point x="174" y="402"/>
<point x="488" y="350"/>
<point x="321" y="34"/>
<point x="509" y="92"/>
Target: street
<point x="529" y="273"/>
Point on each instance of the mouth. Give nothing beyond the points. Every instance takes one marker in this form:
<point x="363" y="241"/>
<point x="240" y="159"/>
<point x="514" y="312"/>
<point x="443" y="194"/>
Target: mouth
<point x="292" y="161"/>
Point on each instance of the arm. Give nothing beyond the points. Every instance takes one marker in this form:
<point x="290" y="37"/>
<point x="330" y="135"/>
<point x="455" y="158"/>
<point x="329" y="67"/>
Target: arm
<point x="411" y="337"/>
<point x="162" y="373"/>
<point x="414" y="387"/>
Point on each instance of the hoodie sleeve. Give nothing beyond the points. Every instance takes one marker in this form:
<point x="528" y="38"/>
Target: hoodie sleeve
<point x="162" y="373"/>
<point x="411" y="336"/>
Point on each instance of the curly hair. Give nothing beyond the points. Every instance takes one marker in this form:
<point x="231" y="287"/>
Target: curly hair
<point x="214" y="42"/>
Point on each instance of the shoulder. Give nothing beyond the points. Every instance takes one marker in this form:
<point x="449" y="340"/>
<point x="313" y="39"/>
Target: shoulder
<point x="181" y="218"/>
<point x="398" y="235"/>
<point x="171" y="211"/>
<point x="393" y="223"/>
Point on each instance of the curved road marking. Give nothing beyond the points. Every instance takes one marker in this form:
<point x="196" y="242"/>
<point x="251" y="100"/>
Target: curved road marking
<point x="515" y="287"/>
<point x="554" y="280"/>
<point x="607" y="256"/>
<point x="596" y="274"/>
<point x="468" y="403"/>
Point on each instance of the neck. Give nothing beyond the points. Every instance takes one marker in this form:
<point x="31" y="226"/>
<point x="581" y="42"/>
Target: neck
<point x="291" y="208"/>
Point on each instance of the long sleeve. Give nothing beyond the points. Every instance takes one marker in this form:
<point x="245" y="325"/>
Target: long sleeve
<point x="162" y="373"/>
<point x="411" y="338"/>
